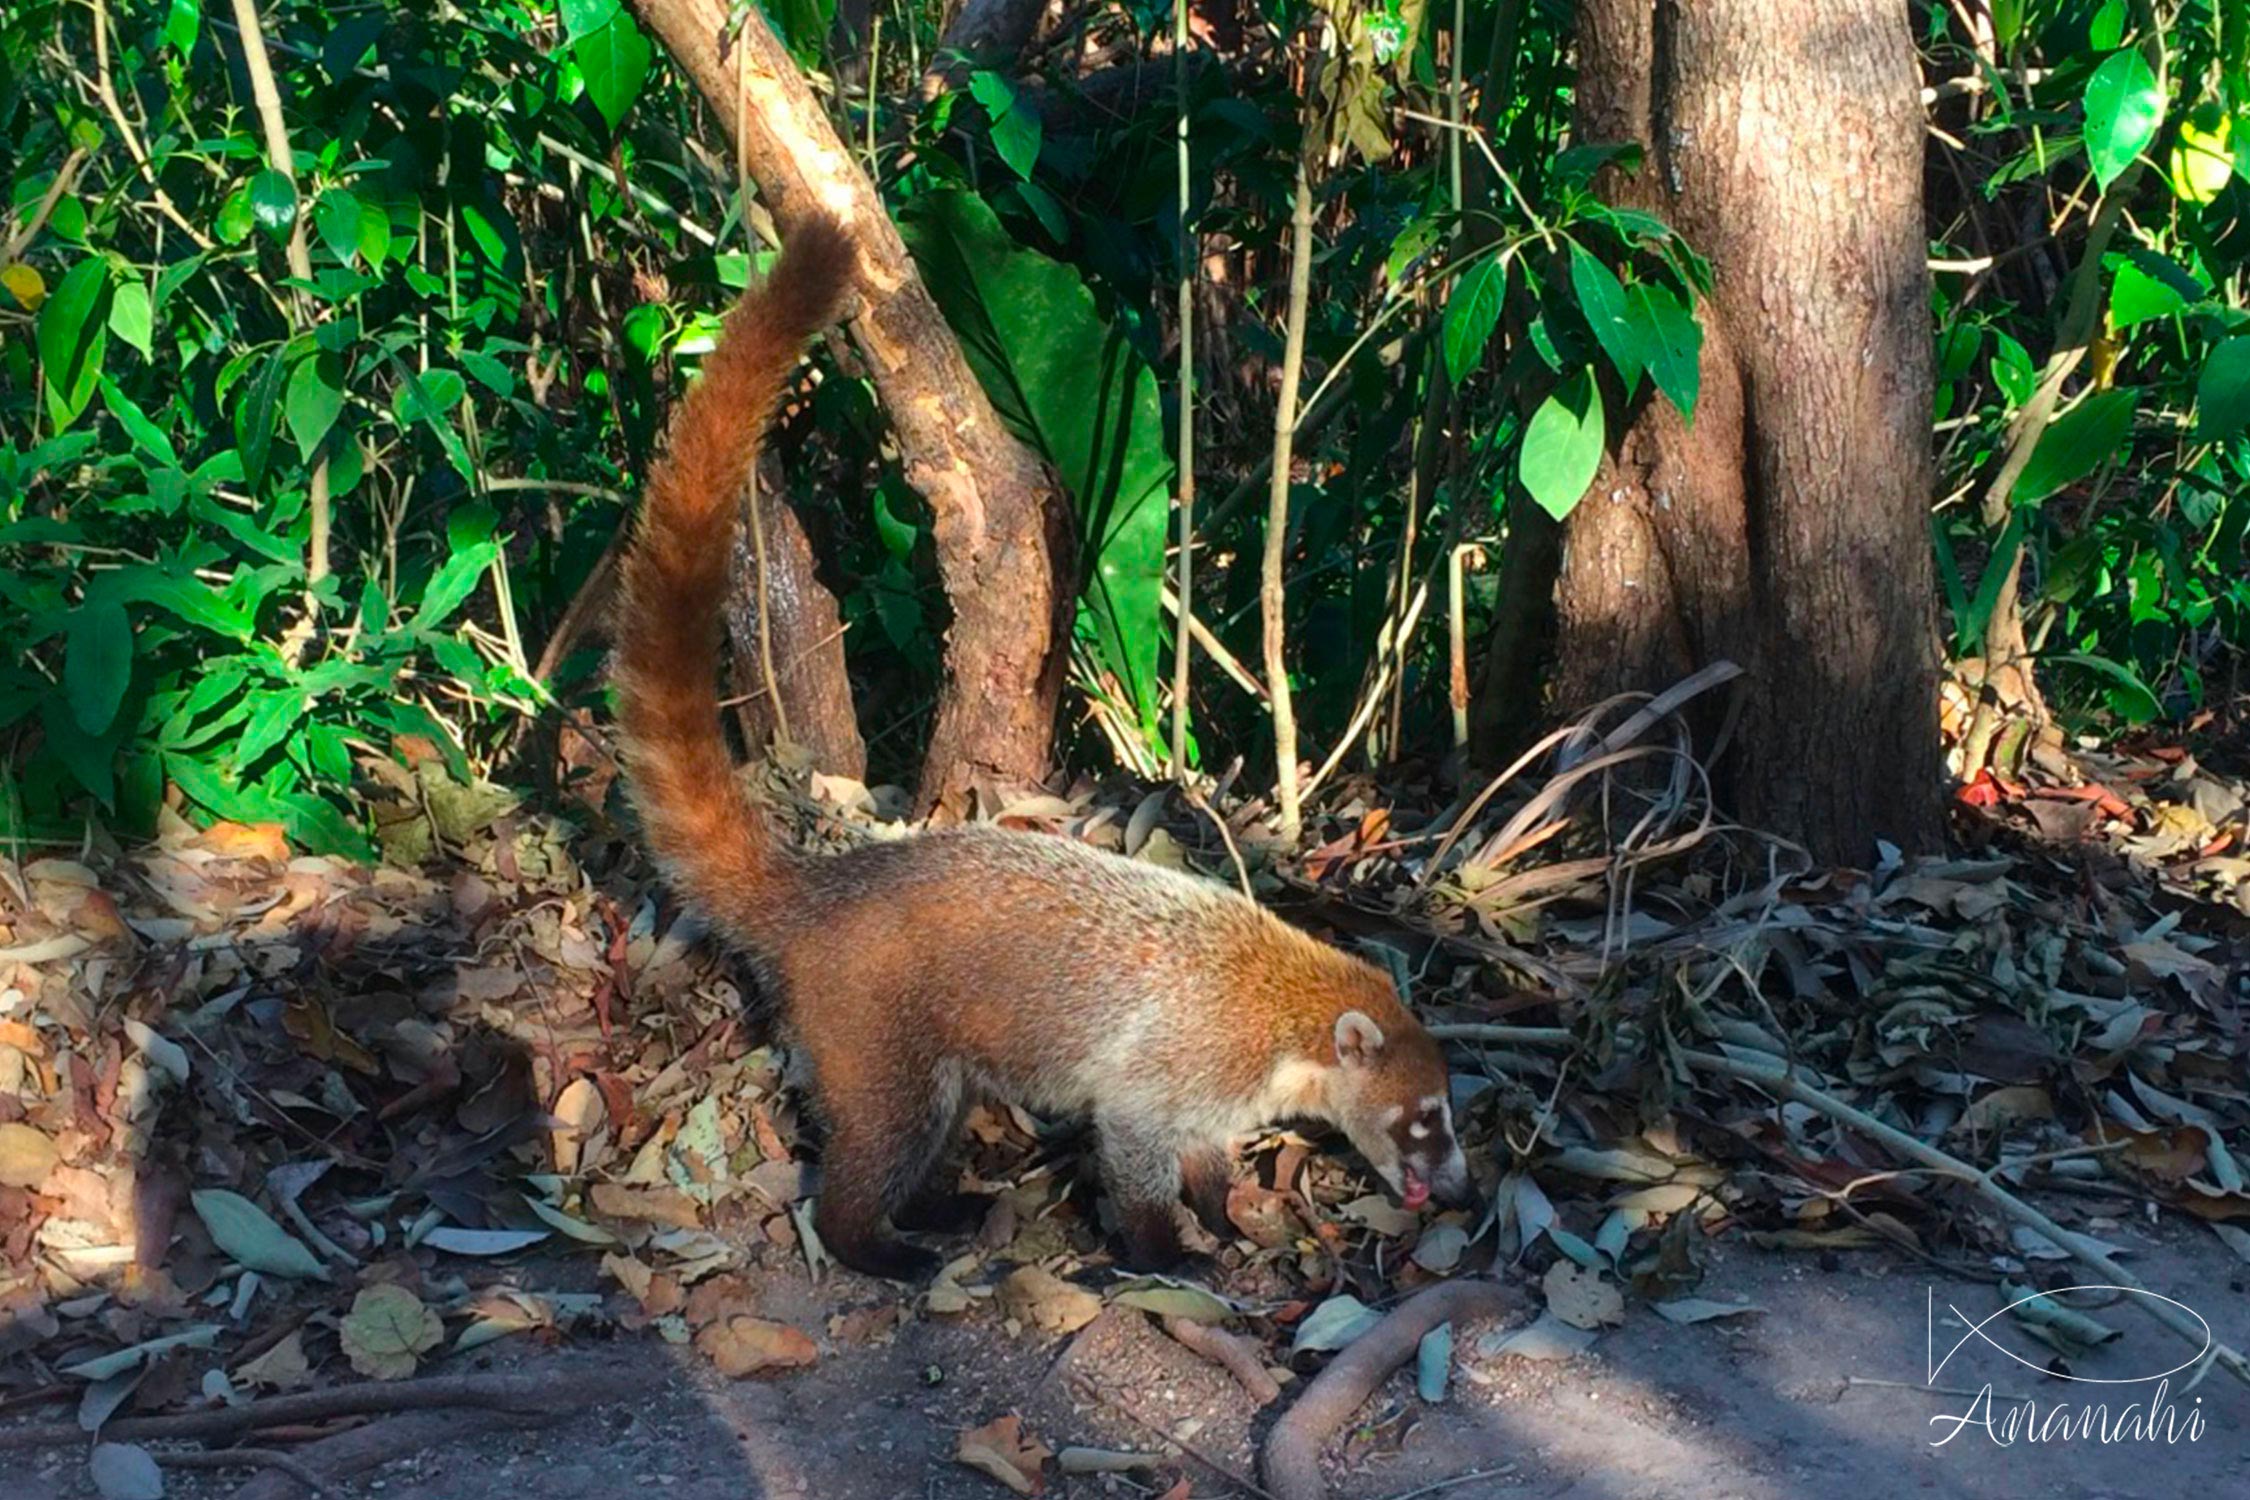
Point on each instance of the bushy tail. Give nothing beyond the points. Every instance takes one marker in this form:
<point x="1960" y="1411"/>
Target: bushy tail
<point x="703" y="827"/>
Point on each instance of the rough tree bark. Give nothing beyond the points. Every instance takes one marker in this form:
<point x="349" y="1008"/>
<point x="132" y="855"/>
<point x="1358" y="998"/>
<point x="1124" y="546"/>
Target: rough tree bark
<point x="1001" y="525"/>
<point x="806" y="641"/>
<point x="1787" y="528"/>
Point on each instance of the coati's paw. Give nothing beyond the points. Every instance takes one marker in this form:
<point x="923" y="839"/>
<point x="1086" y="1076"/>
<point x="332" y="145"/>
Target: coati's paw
<point x="1150" y="1240"/>
<point x="893" y="1260"/>
<point x="943" y="1213"/>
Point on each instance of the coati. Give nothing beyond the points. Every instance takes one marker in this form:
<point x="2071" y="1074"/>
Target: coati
<point x="1173" y="1012"/>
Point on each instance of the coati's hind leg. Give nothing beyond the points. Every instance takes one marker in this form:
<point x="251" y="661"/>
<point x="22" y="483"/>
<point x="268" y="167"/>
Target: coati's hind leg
<point x="1208" y="1173"/>
<point x="1141" y="1169"/>
<point x="882" y="1121"/>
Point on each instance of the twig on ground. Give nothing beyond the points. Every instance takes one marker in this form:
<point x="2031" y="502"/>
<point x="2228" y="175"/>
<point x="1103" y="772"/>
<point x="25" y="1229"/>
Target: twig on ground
<point x="1291" y="1462"/>
<point x="551" y="1391"/>
<point x="379" y="1443"/>
<point x="1118" y="1403"/>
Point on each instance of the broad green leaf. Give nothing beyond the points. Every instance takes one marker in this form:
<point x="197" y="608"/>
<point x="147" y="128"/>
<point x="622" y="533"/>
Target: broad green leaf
<point x="2132" y="699"/>
<point x="337" y="217"/>
<point x="451" y="585"/>
<point x="584" y="17"/>
<point x="1472" y="311"/>
<point x="182" y="21"/>
<point x="614" y="57"/>
<point x="2147" y="286"/>
<point x="1016" y="131"/>
<point x="272" y="716"/>
<point x="2124" y="105"/>
<point x="1069" y="383"/>
<point x="245" y="1232"/>
<point x="1673" y="343"/>
<point x="374" y="235"/>
<point x="1602" y="299"/>
<point x="190" y="599"/>
<point x="146" y="435"/>
<point x="430" y="397"/>
<point x="2076" y="444"/>
<point x="2011" y="369"/>
<point x="316" y="396"/>
<point x="2222" y="391"/>
<point x="97" y="662"/>
<point x="273" y="201"/>
<point x="73" y="335"/>
<point x="129" y="315"/>
<point x="1562" y="447"/>
<point x="2106" y="29"/>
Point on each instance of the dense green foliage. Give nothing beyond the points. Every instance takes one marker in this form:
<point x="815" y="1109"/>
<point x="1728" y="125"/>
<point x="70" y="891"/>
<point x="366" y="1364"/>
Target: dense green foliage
<point x="516" y="226"/>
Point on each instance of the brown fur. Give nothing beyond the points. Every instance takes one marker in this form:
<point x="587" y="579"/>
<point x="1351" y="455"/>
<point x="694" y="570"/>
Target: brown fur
<point x="917" y="973"/>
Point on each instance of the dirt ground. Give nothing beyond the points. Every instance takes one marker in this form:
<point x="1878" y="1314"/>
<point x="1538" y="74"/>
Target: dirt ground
<point x="1808" y="1398"/>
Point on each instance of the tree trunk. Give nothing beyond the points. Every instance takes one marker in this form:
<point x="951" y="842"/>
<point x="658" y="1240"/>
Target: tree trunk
<point x="1787" y="528"/>
<point x="1001" y="525"/>
<point x="806" y="643"/>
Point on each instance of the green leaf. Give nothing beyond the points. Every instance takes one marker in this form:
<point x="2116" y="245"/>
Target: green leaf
<point x="337" y="217"/>
<point x="614" y="57"/>
<point x="146" y="435"/>
<point x="182" y="21"/>
<point x="374" y="235"/>
<point x="2222" y="391"/>
<point x="1602" y="299"/>
<point x="451" y="585"/>
<point x="273" y="715"/>
<point x="1472" y="311"/>
<point x="2140" y="294"/>
<point x="1673" y="343"/>
<point x="273" y="201"/>
<point x="430" y="397"/>
<point x="584" y="17"/>
<point x="2134" y="700"/>
<point x="247" y="1234"/>
<point x="2076" y="444"/>
<point x="97" y="663"/>
<point x="1068" y="382"/>
<point x="316" y="397"/>
<point x="1562" y="447"/>
<point x="129" y="316"/>
<point x="254" y="417"/>
<point x="2011" y="369"/>
<point x="73" y="335"/>
<point x="2124" y="105"/>
<point x="1016" y="130"/>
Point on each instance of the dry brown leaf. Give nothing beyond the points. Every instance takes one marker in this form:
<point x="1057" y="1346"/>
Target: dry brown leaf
<point x="1009" y="1454"/>
<point x="646" y="1205"/>
<point x="739" y="1345"/>
<point x="281" y="1368"/>
<point x="1581" y="1297"/>
<point x="581" y="1111"/>
<point x="1046" y="1301"/>
<point x="1263" y="1216"/>
<point x="717" y="1297"/>
<point x="26" y="1157"/>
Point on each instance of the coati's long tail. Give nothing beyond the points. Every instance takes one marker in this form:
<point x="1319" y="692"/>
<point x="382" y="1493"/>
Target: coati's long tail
<point x="713" y="841"/>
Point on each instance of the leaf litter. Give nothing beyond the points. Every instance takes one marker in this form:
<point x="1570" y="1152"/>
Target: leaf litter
<point x="431" y="1085"/>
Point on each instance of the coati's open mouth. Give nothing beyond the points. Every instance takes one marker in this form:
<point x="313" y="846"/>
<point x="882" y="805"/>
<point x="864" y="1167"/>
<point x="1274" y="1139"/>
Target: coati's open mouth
<point x="1416" y="1191"/>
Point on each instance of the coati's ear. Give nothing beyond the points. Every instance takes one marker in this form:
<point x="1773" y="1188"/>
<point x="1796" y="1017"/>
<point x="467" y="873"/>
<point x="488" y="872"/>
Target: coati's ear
<point x="1359" y="1041"/>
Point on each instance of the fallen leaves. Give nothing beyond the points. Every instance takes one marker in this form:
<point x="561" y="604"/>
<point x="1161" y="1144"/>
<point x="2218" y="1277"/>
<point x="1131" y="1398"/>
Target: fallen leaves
<point x="1004" y="1450"/>
<point x="739" y="1345"/>
<point x="387" y="1331"/>
<point x="1039" y="1299"/>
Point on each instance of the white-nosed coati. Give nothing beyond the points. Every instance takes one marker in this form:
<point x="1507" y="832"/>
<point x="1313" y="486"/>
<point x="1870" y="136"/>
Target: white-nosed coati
<point x="1171" y="1011"/>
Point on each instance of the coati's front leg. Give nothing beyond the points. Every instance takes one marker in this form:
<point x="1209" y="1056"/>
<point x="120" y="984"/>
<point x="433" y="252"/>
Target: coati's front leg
<point x="1141" y="1169"/>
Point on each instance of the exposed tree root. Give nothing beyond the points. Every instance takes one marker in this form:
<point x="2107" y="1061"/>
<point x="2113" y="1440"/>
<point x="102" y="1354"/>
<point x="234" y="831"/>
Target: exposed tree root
<point x="1229" y="1353"/>
<point x="1291" y="1461"/>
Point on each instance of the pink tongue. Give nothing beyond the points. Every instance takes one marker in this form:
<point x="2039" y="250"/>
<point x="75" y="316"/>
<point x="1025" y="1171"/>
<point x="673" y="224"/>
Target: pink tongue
<point x="1417" y="1192"/>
